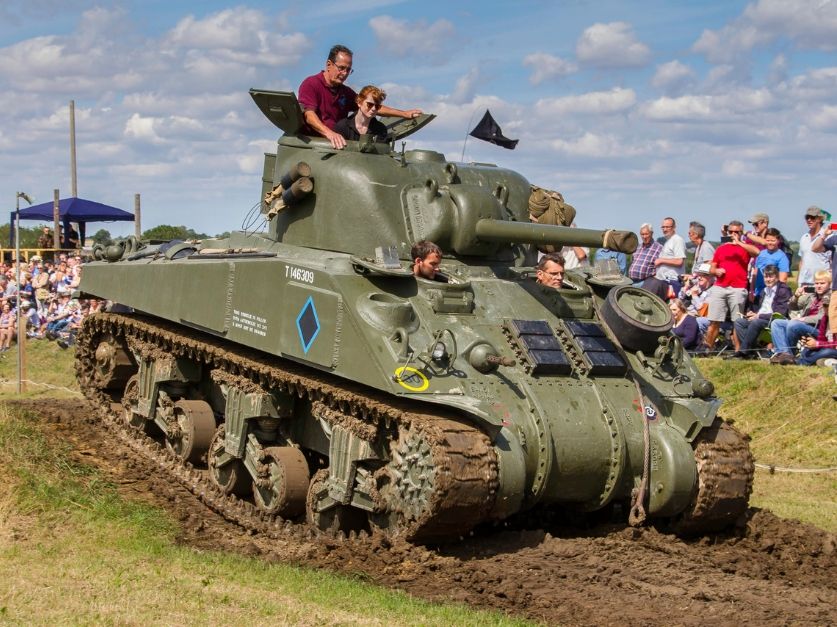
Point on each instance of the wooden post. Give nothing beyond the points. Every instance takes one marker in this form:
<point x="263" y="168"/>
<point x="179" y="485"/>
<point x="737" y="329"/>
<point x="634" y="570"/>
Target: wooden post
<point x="73" y="148"/>
<point x="137" y="216"/>
<point x="56" y="240"/>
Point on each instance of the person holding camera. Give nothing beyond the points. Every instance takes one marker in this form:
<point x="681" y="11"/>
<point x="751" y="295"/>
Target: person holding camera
<point x="728" y="296"/>
<point x="810" y="304"/>
<point x="816" y="350"/>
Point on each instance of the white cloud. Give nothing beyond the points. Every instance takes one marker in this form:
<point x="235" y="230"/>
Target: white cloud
<point x="466" y="86"/>
<point x="141" y="128"/>
<point x="672" y="75"/>
<point x="592" y="145"/>
<point x="233" y="37"/>
<point x="809" y="24"/>
<point x="402" y="38"/>
<point x="739" y="105"/>
<point x="617" y="100"/>
<point x="611" y="45"/>
<point x="734" y="167"/>
<point x="825" y="119"/>
<point x="778" y="70"/>
<point x="546" y="67"/>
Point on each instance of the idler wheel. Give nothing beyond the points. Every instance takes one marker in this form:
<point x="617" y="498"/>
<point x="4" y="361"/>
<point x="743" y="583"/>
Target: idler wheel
<point x="225" y="471"/>
<point x="191" y="435"/>
<point x="112" y="364"/>
<point x="283" y="490"/>
<point x="133" y="420"/>
<point x="637" y="317"/>
<point x="325" y="514"/>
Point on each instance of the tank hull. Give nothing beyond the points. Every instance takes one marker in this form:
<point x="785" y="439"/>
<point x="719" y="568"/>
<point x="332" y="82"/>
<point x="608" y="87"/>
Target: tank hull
<point x="573" y="438"/>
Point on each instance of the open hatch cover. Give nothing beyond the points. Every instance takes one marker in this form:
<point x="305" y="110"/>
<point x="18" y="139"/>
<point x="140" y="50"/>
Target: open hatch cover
<point x="282" y="108"/>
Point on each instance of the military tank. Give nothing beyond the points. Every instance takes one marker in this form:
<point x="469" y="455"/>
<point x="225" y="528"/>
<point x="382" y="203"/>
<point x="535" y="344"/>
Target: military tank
<point x="301" y="372"/>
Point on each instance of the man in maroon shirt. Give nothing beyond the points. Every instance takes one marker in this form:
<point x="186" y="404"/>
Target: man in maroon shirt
<point x="325" y="99"/>
<point x="729" y="294"/>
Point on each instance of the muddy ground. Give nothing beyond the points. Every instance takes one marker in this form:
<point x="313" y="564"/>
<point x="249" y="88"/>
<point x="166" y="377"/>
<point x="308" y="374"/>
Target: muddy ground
<point x="771" y="572"/>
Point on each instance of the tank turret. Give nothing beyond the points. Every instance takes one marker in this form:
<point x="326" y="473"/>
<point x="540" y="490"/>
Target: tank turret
<point x="303" y="372"/>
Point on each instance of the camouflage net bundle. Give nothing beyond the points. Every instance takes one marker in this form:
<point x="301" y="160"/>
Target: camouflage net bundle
<point x="548" y="207"/>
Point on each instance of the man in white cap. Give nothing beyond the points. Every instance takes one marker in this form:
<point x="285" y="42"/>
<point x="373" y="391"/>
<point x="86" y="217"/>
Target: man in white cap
<point x="809" y="261"/>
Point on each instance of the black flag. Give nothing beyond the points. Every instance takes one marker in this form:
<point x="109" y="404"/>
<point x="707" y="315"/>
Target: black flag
<point x="488" y="130"/>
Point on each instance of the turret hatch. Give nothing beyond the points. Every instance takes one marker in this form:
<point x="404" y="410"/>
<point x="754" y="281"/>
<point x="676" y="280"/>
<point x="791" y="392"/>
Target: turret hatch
<point x="282" y="108"/>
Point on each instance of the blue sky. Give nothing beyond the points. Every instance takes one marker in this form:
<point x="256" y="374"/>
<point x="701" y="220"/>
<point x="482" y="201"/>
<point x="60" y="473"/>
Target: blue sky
<point x="633" y="110"/>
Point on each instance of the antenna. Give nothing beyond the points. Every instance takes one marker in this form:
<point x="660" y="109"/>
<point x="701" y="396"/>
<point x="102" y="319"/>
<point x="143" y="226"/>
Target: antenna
<point x="467" y="132"/>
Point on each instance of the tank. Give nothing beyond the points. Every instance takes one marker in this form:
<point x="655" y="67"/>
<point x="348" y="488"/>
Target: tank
<point x="301" y="372"/>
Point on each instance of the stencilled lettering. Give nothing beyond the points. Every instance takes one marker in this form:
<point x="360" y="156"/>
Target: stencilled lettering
<point x="299" y="274"/>
<point x="249" y="322"/>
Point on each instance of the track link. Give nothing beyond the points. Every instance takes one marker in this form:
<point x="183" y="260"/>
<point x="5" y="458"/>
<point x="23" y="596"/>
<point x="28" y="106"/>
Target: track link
<point x="725" y="479"/>
<point x="465" y="465"/>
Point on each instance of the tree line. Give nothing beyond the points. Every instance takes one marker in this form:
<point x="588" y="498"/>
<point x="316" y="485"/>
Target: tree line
<point x="165" y="232"/>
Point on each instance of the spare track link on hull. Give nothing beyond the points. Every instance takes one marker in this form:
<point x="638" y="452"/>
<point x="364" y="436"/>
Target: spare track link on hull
<point x="465" y="465"/>
<point x="725" y="479"/>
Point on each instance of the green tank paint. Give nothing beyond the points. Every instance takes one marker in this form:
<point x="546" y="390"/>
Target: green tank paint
<point x="551" y="376"/>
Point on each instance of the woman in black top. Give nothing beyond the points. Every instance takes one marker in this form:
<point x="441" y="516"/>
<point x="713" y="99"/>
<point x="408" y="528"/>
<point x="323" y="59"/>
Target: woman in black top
<point x="685" y="326"/>
<point x="363" y="122"/>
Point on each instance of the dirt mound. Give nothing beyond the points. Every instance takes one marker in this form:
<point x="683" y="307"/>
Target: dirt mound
<point x="772" y="571"/>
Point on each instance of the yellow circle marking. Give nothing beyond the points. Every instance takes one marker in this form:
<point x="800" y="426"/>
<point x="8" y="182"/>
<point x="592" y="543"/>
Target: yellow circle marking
<point x="413" y="373"/>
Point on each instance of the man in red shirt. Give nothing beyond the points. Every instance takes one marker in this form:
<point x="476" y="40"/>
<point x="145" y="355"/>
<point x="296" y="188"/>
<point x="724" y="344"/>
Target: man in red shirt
<point x="728" y="295"/>
<point x="326" y="99"/>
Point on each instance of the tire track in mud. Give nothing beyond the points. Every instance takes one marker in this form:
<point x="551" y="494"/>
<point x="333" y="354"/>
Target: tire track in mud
<point x="771" y="572"/>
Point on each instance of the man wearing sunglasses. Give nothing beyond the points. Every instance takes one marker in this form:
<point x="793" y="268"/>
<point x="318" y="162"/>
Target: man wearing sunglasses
<point x="728" y="296"/>
<point x="326" y="99"/>
<point x="809" y="261"/>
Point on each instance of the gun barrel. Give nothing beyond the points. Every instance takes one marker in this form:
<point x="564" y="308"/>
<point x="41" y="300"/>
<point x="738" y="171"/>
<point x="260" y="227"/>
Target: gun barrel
<point x="490" y="230"/>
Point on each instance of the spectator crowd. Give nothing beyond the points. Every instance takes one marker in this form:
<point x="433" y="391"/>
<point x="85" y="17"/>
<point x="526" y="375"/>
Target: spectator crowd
<point x="737" y="296"/>
<point x="45" y="298"/>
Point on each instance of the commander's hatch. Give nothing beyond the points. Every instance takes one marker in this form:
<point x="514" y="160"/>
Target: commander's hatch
<point x="399" y="128"/>
<point x="282" y="108"/>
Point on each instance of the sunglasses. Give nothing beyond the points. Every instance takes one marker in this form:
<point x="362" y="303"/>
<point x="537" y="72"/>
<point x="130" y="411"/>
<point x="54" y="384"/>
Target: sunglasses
<point x="371" y="104"/>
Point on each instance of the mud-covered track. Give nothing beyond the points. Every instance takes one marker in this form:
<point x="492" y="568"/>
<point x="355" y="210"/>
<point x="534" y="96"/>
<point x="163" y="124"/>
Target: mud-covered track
<point x="465" y="468"/>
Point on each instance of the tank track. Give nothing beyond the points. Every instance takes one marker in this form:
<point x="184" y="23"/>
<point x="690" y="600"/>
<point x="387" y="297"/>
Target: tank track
<point x="725" y="479"/>
<point x="465" y="465"/>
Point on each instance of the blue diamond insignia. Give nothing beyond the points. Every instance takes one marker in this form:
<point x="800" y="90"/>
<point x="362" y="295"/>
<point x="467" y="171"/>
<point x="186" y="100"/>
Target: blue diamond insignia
<point x="308" y="324"/>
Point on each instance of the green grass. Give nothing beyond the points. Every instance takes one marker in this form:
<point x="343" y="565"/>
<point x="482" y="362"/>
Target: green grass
<point x="790" y="414"/>
<point x="48" y="367"/>
<point x="72" y="551"/>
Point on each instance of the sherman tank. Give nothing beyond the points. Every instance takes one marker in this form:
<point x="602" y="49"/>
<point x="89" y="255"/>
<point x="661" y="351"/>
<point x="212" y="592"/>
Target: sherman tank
<point x="301" y="372"/>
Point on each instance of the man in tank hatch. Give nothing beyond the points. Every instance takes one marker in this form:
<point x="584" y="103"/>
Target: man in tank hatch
<point x="427" y="257"/>
<point x="550" y="270"/>
<point x="326" y="99"/>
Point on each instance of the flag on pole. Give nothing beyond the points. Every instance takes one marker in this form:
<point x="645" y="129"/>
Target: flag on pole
<point x="488" y="130"/>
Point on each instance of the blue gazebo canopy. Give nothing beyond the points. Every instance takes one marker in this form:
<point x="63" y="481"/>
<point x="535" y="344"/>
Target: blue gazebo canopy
<point x="73" y="209"/>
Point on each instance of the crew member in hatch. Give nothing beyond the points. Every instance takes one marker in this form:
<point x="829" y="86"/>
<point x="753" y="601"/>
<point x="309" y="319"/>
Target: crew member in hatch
<point x="427" y="257"/>
<point x="325" y="99"/>
<point x="550" y="270"/>
<point x="363" y="122"/>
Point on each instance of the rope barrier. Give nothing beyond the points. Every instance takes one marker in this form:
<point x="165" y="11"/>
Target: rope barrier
<point x="43" y="385"/>
<point x="774" y="469"/>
